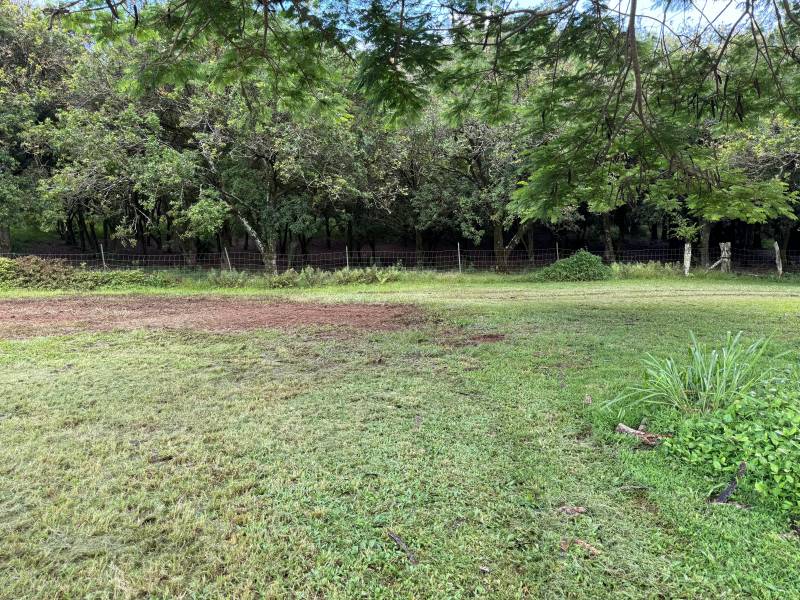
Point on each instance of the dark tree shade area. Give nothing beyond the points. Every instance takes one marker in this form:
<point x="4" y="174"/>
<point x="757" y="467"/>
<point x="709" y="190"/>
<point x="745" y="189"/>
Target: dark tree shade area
<point x="178" y="126"/>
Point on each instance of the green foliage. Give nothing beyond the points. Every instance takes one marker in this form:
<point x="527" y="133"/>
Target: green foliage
<point x="581" y="266"/>
<point x="8" y="271"/>
<point x="305" y="278"/>
<point x="709" y="379"/>
<point x="31" y="272"/>
<point x="761" y="428"/>
<point x="647" y="270"/>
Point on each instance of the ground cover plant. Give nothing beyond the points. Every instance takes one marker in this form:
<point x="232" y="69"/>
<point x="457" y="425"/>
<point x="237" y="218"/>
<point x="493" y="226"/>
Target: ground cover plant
<point x="168" y="458"/>
<point x="761" y="429"/>
<point x="731" y="412"/>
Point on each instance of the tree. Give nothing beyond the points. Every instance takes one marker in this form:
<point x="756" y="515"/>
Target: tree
<point x="34" y="62"/>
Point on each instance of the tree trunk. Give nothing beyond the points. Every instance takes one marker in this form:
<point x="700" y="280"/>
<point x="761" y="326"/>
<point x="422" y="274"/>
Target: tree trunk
<point x="705" y="239"/>
<point x="189" y="246"/>
<point x="500" y="254"/>
<point x="69" y="230"/>
<point x="608" y="239"/>
<point x="82" y="230"/>
<point x="785" y="233"/>
<point x="291" y="250"/>
<point x="5" y="239"/>
<point x="530" y="245"/>
<point x="268" y="255"/>
<point x="328" y="233"/>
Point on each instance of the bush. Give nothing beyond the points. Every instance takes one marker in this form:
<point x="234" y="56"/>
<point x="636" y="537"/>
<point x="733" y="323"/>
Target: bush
<point x="8" y="271"/>
<point x="761" y="428"/>
<point x="32" y="272"/>
<point x="368" y="275"/>
<point x="288" y="279"/>
<point x="581" y="266"/>
<point x="710" y="378"/>
<point x="39" y="273"/>
<point x="648" y="270"/>
<point x="230" y="279"/>
<point x="311" y="277"/>
<point x="85" y="279"/>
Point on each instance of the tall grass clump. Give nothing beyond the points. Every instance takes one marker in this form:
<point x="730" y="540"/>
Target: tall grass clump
<point x="707" y="380"/>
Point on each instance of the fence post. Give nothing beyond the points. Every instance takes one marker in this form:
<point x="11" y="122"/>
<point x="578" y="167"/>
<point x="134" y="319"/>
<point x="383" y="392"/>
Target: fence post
<point x="557" y="250"/>
<point x="103" y="256"/>
<point x="458" y="246"/>
<point x="347" y="257"/>
<point x="687" y="258"/>
<point x="778" y="261"/>
<point x="725" y="259"/>
<point x="227" y="258"/>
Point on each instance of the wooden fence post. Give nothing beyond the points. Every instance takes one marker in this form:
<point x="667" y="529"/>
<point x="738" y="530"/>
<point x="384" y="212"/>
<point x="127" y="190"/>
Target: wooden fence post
<point x="227" y="258"/>
<point x="725" y="257"/>
<point x="687" y="258"/>
<point x="778" y="261"/>
<point x="459" y="256"/>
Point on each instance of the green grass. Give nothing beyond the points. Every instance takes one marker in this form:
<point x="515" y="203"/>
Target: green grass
<point x="272" y="464"/>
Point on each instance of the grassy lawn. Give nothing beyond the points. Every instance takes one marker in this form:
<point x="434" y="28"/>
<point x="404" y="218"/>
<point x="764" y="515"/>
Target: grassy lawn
<point x="177" y="463"/>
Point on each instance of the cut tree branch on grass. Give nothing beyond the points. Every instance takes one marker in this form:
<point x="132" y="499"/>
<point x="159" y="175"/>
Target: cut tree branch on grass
<point x="725" y="495"/>
<point x="648" y="439"/>
<point x="402" y="545"/>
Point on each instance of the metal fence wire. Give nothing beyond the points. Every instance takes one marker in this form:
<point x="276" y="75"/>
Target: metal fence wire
<point x="440" y="260"/>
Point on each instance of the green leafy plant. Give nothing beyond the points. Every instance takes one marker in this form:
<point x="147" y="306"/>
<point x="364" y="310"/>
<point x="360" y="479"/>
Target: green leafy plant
<point x="32" y="272"/>
<point x="581" y="266"/>
<point x="761" y="428"/>
<point x="8" y="271"/>
<point x="646" y="270"/>
<point x="710" y="378"/>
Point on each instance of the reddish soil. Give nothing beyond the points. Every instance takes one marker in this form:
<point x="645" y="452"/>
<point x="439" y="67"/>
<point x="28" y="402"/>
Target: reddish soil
<point x="105" y="313"/>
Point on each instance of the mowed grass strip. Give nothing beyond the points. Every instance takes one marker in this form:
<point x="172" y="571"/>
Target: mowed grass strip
<point x="274" y="464"/>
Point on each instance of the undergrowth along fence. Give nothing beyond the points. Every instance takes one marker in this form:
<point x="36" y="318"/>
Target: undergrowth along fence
<point x="440" y="260"/>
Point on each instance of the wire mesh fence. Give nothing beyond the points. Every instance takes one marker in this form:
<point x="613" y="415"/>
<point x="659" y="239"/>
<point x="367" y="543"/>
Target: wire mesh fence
<point x="440" y="260"/>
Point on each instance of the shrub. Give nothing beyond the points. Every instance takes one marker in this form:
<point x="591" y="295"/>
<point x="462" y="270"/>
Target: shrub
<point x="287" y="279"/>
<point x="229" y="279"/>
<point x="710" y="378"/>
<point x="761" y="428"/>
<point x="85" y="279"/>
<point x="647" y="270"/>
<point x="8" y="271"/>
<point x="39" y="273"/>
<point x="310" y="277"/>
<point x="367" y="275"/>
<point x="33" y="272"/>
<point x="581" y="266"/>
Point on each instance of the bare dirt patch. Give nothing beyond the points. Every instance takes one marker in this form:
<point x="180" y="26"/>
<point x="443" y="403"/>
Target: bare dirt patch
<point x="41" y="316"/>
